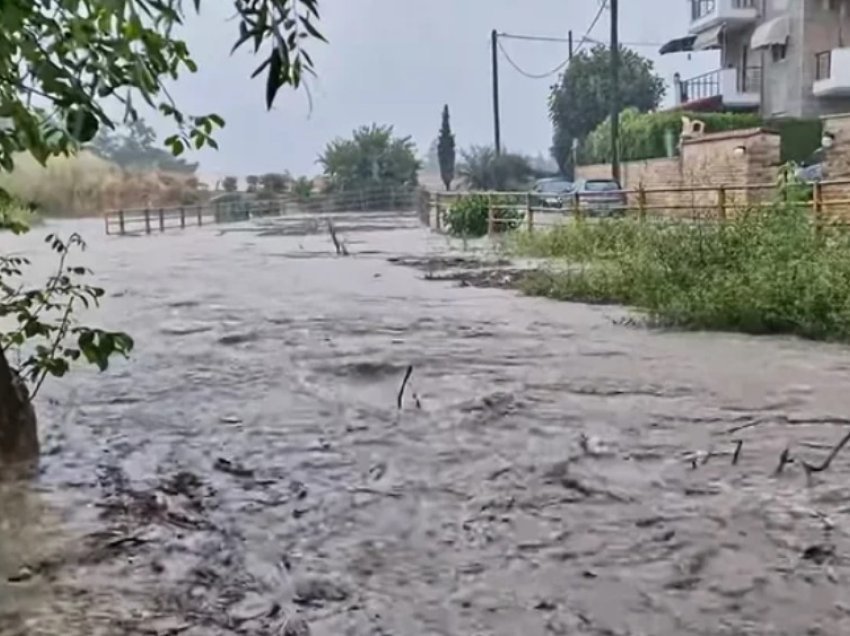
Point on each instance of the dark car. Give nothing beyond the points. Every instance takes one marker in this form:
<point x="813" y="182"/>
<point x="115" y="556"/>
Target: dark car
<point x="551" y="193"/>
<point x="600" y="197"/>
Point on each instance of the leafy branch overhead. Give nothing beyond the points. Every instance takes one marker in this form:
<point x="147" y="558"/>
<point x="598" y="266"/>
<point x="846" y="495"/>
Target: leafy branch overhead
<point x="65" y="64"/>
<point x="44" y="317"/>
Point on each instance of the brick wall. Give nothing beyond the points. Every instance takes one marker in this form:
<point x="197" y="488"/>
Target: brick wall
<point x="837" y="162"/>
<point x="704" y="164"/>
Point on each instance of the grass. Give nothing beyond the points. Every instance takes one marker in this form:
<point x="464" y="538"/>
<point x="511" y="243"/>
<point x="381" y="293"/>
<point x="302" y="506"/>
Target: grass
<point x="767" y="271"/>
<point x="85" y="184"/>
<point x="16" y="217"/>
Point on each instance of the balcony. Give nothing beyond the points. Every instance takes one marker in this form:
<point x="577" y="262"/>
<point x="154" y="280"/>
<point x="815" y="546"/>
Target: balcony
<point x="709" y="14"/>
<point x="736" y="88"/>
<point x="832" y="73"/>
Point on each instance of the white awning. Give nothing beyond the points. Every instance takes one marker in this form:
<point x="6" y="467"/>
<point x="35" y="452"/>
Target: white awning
<point x="771" y="33"/>
<point x="709" y="39"/>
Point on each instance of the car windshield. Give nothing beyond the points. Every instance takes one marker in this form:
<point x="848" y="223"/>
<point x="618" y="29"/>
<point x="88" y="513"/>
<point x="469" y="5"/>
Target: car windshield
<point x="554" y="186"/>
<point x="601" y="185"/>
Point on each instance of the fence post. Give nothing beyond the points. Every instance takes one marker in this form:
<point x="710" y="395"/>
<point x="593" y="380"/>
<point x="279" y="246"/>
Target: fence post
<point x="641" y="202"/>
<point x="121" y="228"/>
<point x="491" y="219"/>
<point x="200" y="215"/>
<point x="161" y="220"/>
<point x="529" y="212"/>
<point x="817" y="204"/>
<point x="147" y="221"/>
<point x="721" y="202"/>
<point x="576" y="207"/>
<point x="436" y="212"/>
<point x="182" y="217"/>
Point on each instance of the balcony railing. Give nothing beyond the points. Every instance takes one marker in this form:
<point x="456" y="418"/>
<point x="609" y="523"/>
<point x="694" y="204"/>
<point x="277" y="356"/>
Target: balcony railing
<point x="823" y="65"/>
<point x="703" y="8"/>
<point x="701" y="87"/>
<point x="749" y="80"/>
<point x="740" y="86"/>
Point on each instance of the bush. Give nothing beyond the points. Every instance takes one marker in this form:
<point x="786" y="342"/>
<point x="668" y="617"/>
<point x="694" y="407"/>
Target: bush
<point x="765" y="271"/>
<point x="468" y="217"/>
<point x="643" y="135"/>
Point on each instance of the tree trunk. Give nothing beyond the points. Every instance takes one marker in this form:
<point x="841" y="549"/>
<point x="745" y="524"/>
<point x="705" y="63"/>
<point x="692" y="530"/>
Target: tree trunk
<point x="18" y="430"/>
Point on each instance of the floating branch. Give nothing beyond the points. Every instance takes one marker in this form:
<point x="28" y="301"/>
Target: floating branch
<point x="737" y="454"/>
<point x="338" y="245"/>
<point x="407" y="375"/>
<point x="784" y="458"/>
<point x="810" y="468"/>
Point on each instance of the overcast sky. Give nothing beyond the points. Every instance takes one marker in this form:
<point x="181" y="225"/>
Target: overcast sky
<point x="397" y="62"/>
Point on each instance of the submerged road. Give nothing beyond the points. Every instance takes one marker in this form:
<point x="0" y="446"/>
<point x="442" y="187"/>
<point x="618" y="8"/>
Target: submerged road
<point x="248" y="471"/>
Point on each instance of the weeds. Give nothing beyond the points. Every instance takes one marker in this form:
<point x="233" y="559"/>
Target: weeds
<point x="765" y="271"/>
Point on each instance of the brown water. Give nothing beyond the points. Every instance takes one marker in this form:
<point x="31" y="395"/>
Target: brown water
<point x="249" y="472"/>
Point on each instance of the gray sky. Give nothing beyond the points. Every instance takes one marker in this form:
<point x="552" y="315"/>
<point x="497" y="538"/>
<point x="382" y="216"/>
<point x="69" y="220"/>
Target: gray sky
<point x="397" y="62"/>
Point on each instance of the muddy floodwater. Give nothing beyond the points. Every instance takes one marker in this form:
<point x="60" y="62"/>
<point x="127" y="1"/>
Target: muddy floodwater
<point x="552" y="468"/>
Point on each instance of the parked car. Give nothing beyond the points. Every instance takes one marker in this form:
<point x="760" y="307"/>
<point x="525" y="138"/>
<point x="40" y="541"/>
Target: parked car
<point x="600" y="197"/>
<point x="552" y="192"/>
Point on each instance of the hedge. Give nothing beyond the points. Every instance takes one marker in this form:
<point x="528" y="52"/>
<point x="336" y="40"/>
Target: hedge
<point x="642" y="135"/>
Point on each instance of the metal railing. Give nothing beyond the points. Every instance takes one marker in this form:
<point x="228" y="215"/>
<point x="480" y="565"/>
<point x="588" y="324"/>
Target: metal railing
<point x="160" y="219"/>
<point x="749" y="79"/>
<point x="827" y="203"/>
<point x="823" y="65"/>
<point x="702" y="8"/>
<point x="701" y="86"/>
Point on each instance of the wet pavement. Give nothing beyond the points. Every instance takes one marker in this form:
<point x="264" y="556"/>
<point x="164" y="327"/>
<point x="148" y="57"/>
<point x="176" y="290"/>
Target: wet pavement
<point x="550" y="470"/>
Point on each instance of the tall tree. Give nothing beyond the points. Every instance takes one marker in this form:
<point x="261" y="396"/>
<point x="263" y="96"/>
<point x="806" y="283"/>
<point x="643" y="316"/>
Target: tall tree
<point x="446" y="150"/>
<point x="230" y="184"/>
<point x="483" y="169"/>
<point x="252" y="182"/>
<point x="374" y="163"/>
<point x="132" y="147"/>
<point x="580" y="101"/>
<point x="67" y="66"/>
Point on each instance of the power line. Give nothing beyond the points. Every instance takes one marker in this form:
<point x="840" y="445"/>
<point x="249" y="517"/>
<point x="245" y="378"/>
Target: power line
<point x="593" y="24"/>
<point x="525" y="73"/>
<point x="533" y="38"/>
<point x="549" y="38"/>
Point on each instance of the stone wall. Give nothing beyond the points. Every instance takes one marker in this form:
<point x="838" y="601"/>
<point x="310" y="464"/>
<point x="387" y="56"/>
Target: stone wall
<point x="736" y="160"/>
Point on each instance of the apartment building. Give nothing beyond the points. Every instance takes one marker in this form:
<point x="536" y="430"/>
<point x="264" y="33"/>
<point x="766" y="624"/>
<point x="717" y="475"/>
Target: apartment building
<point x="782" y="58"/>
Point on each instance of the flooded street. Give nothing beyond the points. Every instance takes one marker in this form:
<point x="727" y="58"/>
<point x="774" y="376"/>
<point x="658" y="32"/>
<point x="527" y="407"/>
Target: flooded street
<point x="551" y="470"/>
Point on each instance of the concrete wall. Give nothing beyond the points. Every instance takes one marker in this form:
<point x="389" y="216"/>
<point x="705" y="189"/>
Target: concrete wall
<point x="704" y="164"/>
<point x="823" y="29"/>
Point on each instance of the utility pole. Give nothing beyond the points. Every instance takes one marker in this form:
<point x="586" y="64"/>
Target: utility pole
<point x="497" y="132"/>
<point x="570" y="40"/>
<point x="615" y="92"/>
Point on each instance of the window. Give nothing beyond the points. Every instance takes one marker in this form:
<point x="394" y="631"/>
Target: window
<point x="778" y="52"/>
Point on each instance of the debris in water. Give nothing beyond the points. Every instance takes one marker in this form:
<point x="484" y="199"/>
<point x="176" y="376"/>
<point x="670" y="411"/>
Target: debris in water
<point x="407" y="374"/>
<point x="22" y="575"/>
<point x="811" y="468"/>
<point x="784" y="458"/>
<point x="819" y="553"/>
<point x="315" y="590"/>
<point x="232" y="468"/>
<point x="738" y="445"/>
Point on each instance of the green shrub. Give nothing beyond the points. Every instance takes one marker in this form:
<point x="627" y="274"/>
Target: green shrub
<point x="468" y="217"/>
<point x="642" y="135"/>
<point x="765" y="271"/>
